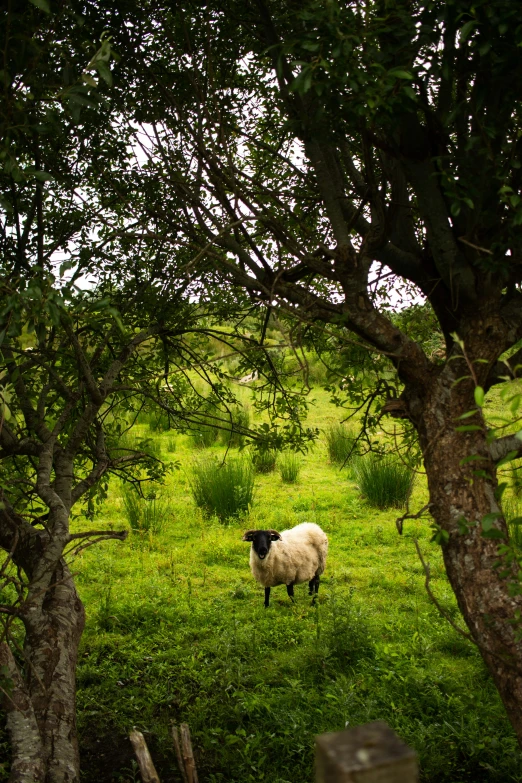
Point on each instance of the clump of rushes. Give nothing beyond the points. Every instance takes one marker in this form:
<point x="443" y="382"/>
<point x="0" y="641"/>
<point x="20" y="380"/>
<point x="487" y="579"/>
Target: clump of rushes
<point x="264" y="461"/>
<point x="144" y="515"/>
<point x="340" y="440"/>
<point x="289" y="465"/>
<point x="224" y="490"/>
<point x="384" y="481"/>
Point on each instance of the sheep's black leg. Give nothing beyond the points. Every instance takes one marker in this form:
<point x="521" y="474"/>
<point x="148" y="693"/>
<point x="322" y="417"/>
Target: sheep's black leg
<point x="290" y="590"/>
<point x="267" y="597"/>
<point x="314" y="585"/>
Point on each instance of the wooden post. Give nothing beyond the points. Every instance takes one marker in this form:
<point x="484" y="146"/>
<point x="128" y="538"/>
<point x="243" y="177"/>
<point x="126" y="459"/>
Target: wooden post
<point x="372" y="753"/>
<point x="147" y="769"/>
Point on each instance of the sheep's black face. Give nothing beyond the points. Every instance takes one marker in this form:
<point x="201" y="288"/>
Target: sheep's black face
<point x="261" y="541"/>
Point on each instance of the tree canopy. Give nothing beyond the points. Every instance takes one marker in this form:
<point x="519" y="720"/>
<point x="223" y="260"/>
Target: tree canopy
<point x="204" y="161"/>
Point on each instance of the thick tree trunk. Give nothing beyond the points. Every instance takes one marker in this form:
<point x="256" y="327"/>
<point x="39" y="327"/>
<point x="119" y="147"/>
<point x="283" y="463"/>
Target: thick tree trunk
<point x="44" y="740"/>
<point x="462" y="492"/>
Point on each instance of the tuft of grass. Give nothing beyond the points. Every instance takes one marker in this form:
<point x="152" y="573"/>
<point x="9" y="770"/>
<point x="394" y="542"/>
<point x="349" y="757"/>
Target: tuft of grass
<point x="264" y="461"/>
<point x="224" y="490"/>
<point x="289" y="466"/>
<point x="171" y="444"/>
<point x="339" y="442"/>
<point x="233" y="437"/>
<point x="384" y="481"/>
<point x="144" y="515"/>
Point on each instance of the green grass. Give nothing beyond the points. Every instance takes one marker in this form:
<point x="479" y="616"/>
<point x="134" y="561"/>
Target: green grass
<point x="176" y="631"/>
<point x="145" y="515"/>
<point x="384" y="481"/>
<point x="340" y="441"/>
<point x="223" y="490"/>
<point x="289" y="466"/>
<point x="264" y="461"/>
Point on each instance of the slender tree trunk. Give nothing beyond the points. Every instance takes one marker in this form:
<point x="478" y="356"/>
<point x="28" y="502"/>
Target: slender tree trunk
<point x="462" y="492"/>
<point x="48" y="751"/>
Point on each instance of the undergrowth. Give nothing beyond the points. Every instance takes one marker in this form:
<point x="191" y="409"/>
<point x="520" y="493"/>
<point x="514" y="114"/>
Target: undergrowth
<point x="176" y="631"/>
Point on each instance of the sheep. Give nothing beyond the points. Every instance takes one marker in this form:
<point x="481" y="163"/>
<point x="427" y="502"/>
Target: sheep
<point x="288" y="558"/>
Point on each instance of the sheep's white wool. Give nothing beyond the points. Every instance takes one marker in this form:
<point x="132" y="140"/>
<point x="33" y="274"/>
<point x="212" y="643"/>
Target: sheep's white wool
<point x="298" y="557"/>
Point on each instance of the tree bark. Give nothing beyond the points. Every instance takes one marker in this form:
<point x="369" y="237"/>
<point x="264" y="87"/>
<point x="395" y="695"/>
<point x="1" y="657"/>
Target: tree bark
<point x="462" y="492"/>
<point x="42" y="718"/>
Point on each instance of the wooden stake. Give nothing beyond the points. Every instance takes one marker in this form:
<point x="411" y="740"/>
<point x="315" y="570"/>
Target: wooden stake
<point x="188" y="755"/>
<point x="179" y="757"/>
<point x="147" y="769"/>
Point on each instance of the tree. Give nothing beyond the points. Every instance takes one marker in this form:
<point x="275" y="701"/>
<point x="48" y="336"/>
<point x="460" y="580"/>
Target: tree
<point x="299" y="145"/>
<point x="90" y="336"/>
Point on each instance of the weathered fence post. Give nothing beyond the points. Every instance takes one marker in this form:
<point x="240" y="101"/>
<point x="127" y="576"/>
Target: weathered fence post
<point x="372" y="753"/>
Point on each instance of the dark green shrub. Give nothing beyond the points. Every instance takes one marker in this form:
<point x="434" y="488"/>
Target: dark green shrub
<point x="384" y="481"/>
<point x="223" y="490"/>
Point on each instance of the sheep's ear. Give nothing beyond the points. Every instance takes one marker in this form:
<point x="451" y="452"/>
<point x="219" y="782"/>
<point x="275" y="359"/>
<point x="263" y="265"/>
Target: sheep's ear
<point x="248" y="536"/>
<point x="274" y="535"/>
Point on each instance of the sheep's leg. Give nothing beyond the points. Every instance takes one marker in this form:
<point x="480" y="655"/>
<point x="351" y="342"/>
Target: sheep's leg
<point x="267" y="597"/>
<point x="314" y="586"/>
<point x="290" y="590"/>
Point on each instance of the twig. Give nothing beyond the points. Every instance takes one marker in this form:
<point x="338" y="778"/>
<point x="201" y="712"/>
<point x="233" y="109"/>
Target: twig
<point x="440" y="609"/>
<point x="147" y="769"/>
<point x="475" y="247"/>
<point x="400" y="520"/>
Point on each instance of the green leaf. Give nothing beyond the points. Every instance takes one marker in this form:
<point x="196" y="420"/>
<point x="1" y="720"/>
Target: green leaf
<point x="493" y="533"/>
<point x="88" y="79"/>
<point x="468" y="414"/>
<point x="43" y="176"/>
<point x="488" y="520"/>
<point x="43" y="5"/>
<point x="467" y="29"/>
<point x="479" y="396"/>
<point x="468" y="428"/>
<point x="399" y="73"/>
<point x="471" y="458"/>
<point x="104" y="72"/>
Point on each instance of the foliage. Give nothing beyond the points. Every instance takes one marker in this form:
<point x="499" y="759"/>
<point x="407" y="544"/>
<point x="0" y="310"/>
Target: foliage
<point x="224" y="490"/>
<point x="340" y="442"/>
<point x="289" y="466"/>
<point x="385" y="482"/>
<point x="239" y="424"/>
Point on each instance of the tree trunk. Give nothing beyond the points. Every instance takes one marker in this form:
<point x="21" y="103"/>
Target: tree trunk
<point x="47" y="689"/>
<point x="462" y="492"/>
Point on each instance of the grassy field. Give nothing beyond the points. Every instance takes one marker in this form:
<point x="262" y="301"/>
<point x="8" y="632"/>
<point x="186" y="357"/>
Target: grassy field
<point x="176" y="631"/>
